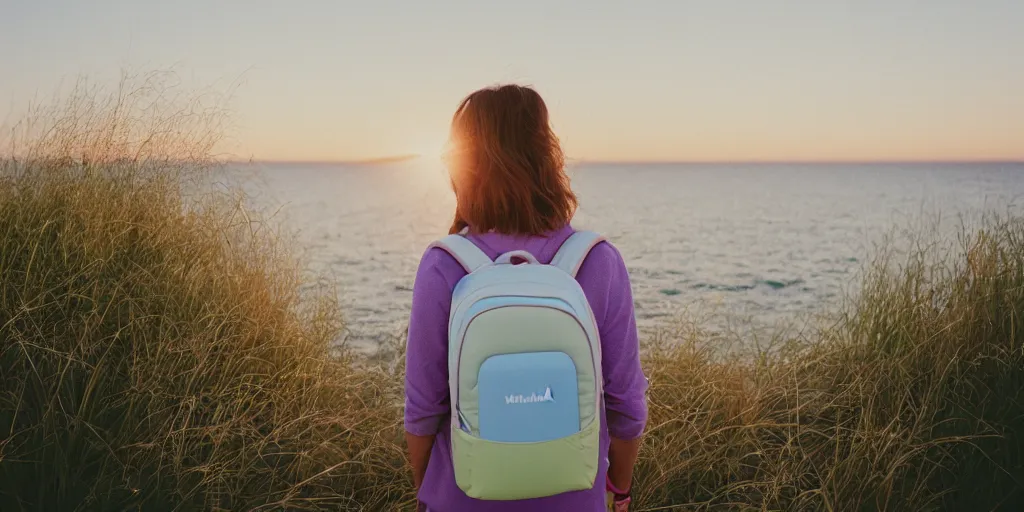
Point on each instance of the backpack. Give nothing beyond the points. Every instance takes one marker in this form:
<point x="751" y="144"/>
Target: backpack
<point x="524" y="373"/>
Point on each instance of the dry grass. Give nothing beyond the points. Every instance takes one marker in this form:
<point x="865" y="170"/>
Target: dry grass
<point x="156" y="351"/>
<point x="162" y="351"/>
<point x="913" y="401"/>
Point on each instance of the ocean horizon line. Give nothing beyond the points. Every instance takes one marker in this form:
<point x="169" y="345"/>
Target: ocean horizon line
<point x="584" y="161"/>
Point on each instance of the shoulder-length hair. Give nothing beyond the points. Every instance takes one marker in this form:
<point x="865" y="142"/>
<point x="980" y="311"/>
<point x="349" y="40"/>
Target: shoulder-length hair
<point x="506" y="164"/>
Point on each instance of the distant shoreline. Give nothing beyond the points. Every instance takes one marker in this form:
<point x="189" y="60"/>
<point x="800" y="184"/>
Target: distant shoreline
<point x="367" y="161"/>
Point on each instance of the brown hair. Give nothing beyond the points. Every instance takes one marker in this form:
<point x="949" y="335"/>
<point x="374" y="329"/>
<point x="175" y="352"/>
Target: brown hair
<point x="506" y="165"/>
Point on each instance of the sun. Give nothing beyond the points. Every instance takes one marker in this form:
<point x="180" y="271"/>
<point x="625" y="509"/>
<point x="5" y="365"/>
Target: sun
<point x="430" y="147"/>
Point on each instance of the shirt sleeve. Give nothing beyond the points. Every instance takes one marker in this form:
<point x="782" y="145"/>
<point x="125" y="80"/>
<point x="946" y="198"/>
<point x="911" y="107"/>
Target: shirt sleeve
<point x="426" y="357"/>
<point x="625" y="385"/>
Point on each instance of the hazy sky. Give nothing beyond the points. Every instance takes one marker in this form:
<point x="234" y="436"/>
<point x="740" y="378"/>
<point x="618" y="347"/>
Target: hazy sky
<point x="669" y="80"/>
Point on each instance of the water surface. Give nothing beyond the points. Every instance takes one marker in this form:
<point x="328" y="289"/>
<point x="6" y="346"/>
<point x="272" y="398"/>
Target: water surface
<point x="750" y="245"/>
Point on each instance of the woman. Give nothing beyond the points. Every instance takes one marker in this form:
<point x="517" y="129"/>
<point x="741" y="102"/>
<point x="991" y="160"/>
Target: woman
<point x="507" y="171"/>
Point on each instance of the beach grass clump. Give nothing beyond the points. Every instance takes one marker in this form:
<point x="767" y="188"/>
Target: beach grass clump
<point x="160" y="348"/>
<point x="912" y="400"/>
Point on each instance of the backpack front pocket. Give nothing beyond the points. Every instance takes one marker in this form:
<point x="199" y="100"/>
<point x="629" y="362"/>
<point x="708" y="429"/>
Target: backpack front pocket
<point x="528" y="397"/>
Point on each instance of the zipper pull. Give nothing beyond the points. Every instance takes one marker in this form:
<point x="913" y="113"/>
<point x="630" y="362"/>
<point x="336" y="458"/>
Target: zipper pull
<point x="463" y="424"/>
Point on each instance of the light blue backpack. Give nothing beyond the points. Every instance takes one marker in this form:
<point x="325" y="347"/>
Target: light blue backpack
<point x="524" y="359"/>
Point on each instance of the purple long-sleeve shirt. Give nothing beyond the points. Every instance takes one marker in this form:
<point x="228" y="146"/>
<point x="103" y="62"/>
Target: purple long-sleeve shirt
<point x="605" y="282"/>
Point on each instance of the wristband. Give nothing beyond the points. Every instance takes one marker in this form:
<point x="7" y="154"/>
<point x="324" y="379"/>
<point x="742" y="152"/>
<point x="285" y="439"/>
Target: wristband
<point x="620" y="496"/>
<point x="614" y="490"/>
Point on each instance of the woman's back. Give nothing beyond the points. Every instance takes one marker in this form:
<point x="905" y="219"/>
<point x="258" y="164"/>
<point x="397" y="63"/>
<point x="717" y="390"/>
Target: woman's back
<point x="605" y="283"/>
<point x="507" y="170"/>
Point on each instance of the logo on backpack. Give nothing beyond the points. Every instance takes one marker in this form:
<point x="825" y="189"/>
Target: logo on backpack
<point x="532" y="399"/>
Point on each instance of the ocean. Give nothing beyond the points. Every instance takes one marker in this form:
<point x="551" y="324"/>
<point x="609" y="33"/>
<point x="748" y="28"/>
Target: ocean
<point x="752" y="246"/>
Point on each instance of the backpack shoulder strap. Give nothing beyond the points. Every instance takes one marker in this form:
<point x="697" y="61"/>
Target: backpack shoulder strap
<point x="465" y="252"/>
<point x="574" y="250"/>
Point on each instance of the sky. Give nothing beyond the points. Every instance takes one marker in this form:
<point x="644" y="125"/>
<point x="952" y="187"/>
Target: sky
<point x="676" y="80"/>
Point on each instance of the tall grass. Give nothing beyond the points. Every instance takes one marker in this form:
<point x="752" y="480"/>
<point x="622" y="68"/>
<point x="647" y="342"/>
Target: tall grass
<point x="164" y="351"/>
<point x="914" y="400"/>
<point x="157" y="349"/>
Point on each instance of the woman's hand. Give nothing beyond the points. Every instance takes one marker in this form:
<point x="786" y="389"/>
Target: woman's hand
<point x="419" y="448"/>
<point x="617" y="506"/>
<point x="622" y="455"/>
<point x="618" y="499"/>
